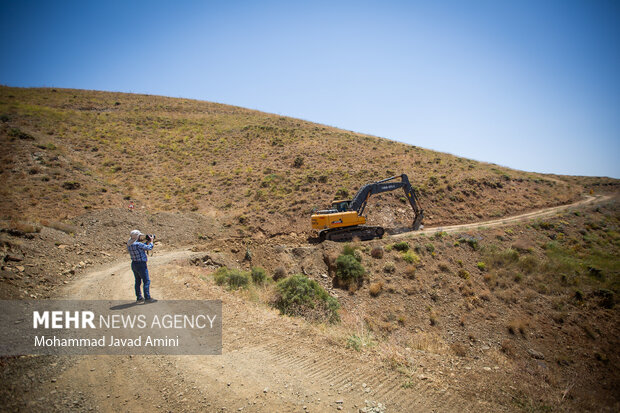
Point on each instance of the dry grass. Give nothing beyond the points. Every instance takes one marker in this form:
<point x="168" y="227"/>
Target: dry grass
<point x="375" y="288"/>
<point x="518" y="325"/>
<point x="60" y="226"/>
<point x="23" y="227"/>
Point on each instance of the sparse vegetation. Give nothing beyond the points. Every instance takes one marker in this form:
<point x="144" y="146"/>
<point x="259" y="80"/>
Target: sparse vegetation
<point x="558" y="277"/>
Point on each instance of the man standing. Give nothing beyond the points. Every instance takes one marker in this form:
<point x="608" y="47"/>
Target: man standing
<point x="137" y="250"/>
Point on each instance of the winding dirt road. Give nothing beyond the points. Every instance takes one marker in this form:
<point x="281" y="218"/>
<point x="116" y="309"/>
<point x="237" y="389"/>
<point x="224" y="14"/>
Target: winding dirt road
<point x="269" y="363"/>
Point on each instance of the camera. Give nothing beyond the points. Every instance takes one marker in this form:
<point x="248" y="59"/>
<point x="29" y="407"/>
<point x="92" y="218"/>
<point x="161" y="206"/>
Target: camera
<point x="149" y="237"/>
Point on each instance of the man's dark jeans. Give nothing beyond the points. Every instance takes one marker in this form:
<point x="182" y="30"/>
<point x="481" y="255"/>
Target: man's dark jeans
<point x="141" y="273"/>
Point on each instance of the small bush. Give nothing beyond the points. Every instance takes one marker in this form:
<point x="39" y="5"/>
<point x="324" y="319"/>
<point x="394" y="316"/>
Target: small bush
<point x="234" y="279"/>
<point x="464" y="274"/>
<point x="279" y="274"/>
<point x="259" y="275"/>
<point x="349" y="271"/>
<point x="517" y="325"/>
<point x="376" y="288"/>
<point x="342" y="193"/>
<point x="71" y="185"/>
<point x="481" y="266"/>
<point x="376" y="252"/>
<point x="410" y="257"/>
<point x="389" y="267"/>
<point x="471" y="241"/>
<point x="410" y="271"/>
<point x="458" y="349"/>
<point x="432" y="318"/>
<point x="430" y="247"/>
<point x="299" y="161"/>
<point x="401" y="246"/>
<point x="440" y="234"/>
<point x="298" y="295"/>
<point x="357" y="342"/>
<point x="444" y="267"/>
<point x="348" y="250"/>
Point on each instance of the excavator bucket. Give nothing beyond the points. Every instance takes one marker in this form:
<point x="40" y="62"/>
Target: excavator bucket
<point x="418" y="221"/>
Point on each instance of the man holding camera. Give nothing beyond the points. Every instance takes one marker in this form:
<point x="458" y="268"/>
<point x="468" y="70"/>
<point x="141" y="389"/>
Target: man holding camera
<point x="137" y="250"/>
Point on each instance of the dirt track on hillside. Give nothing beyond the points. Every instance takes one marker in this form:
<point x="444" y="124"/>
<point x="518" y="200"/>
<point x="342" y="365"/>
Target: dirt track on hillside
<point x="541" y="213"/>
<point x="269" y="363"/>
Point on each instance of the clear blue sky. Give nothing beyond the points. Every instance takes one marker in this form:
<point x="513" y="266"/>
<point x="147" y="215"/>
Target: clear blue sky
<point x="533" y="85"/>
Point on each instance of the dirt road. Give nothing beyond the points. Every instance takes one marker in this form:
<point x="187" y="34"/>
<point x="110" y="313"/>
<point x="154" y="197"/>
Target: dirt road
<point x="541" y="213"/>
<point x="269" y="363"/>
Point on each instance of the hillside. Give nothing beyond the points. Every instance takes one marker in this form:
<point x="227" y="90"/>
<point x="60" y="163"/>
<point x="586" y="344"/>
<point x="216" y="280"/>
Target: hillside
<point x="514" y="309"/>
<point x="70" y="151"/>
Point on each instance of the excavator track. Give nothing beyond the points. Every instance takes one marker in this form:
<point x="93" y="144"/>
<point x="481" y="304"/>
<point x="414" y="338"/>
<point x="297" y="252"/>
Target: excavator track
<point x="364" y="233"/>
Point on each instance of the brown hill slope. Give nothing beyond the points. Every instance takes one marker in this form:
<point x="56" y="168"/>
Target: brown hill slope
<point x="67" y="151"/>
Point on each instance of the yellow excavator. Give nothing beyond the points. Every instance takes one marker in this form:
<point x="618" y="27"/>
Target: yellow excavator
<point x="344" y="221"/>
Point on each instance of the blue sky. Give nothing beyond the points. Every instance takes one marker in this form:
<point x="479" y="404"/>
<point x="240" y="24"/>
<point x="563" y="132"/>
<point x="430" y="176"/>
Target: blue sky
<point x="532" y="85"/>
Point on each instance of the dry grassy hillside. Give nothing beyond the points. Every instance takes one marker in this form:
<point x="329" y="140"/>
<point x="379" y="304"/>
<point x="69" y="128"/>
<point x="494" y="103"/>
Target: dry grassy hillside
<point x="520" y="316"/>
<point x="69" y="151"/>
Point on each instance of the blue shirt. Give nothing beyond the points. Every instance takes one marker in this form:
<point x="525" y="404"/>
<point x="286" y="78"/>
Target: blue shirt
<point x="137" y="251"/>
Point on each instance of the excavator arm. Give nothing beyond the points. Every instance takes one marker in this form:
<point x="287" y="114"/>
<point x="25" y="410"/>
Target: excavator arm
<point x="358" y="203"/>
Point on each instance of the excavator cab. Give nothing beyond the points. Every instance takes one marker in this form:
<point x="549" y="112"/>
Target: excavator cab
<point x="341" y="206"/>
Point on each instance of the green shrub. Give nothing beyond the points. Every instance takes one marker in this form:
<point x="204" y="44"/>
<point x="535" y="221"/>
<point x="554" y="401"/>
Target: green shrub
<point x="357" y="342"/>
<point x="342" y="193"/>
<point x="349" y="250"/>
<point x="471" y="241"/>
<point x="464" y="274"/>
<point x="410" y="257"/>
<point x="259" y="275"/>
<point x="300" y="296"/>
<point x="389" y="267"/>
<point x="401" y="246"/>
<point x="430" y="247"/>
<point x="481" y="266"/>
<point x="440" y="234"/>
<point x="234" y="279"/>
<point x="348" y="271"/>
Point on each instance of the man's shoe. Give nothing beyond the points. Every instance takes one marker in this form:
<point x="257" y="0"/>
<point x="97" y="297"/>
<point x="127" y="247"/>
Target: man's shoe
<point x="139" y="300"/>
<point x="151" y="300"/>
